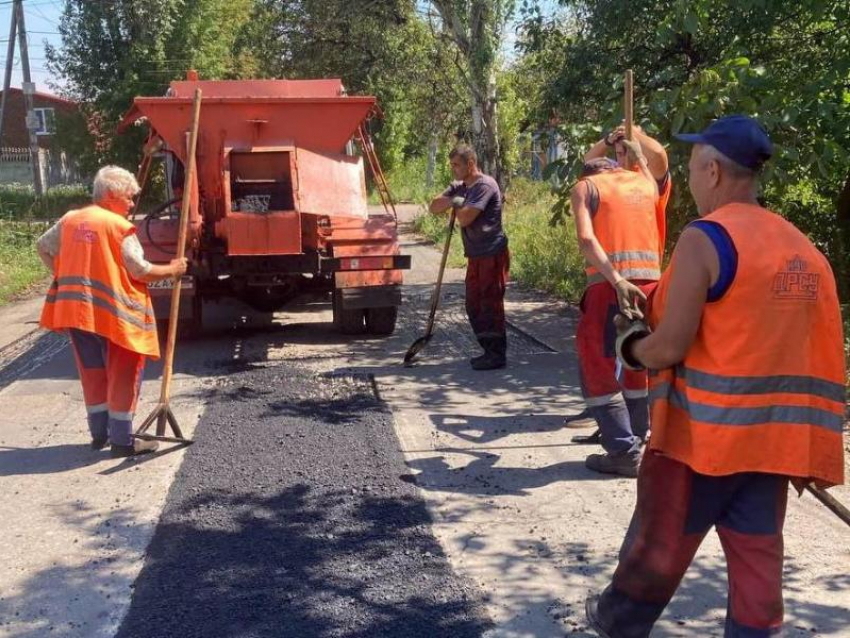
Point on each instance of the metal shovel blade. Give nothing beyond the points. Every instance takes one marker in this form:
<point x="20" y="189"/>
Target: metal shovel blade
<point x="415" y="348"/>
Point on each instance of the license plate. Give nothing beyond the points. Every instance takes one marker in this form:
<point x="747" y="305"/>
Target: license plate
<point x="186" y="283"/>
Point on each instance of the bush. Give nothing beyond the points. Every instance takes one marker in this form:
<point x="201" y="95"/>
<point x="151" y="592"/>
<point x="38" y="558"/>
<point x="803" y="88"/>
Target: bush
<point x="20" y="212"/>
<point x="19" y="202"/>
<point x="20" y="266"/>
<point x="407" y="181"/>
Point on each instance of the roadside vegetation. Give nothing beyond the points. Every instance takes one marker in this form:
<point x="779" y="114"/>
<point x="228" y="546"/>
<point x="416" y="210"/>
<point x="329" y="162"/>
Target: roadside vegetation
<point x="23" y="217"/>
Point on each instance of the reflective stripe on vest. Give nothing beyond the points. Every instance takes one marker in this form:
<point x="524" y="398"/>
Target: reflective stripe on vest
<point x="102" y="287"/>
<point x="756" y="415"/>
<point x="626" y="225"/>
<point x="762" y="386"/>
<point x="87" y="297"/>
<point x="92" y="290"/>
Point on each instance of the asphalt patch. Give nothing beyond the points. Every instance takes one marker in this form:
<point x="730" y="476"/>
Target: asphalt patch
<point x="288" y="518"/>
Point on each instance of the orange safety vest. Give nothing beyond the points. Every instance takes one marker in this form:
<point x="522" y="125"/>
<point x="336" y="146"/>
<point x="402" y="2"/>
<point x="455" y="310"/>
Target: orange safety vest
<point x="762" y="387"/>
<point x="92" y="289"/>
<point x="626" y="226"/>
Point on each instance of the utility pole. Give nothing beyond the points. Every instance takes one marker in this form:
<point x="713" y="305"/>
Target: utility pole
<point x="29" y="88"/>
<point x="10" y="58"/>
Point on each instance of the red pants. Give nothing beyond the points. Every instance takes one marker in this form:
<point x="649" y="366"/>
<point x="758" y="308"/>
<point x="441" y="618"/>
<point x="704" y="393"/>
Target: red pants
<point x="111" y="378"/>
<point x="675" y="509"/>
<point x="595" y="339"/>
<point x="486" y="282"/>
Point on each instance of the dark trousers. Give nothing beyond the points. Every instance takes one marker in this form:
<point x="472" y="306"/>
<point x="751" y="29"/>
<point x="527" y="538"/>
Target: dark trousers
<point x="676" y="507"/>
<point x="486" y="281"/>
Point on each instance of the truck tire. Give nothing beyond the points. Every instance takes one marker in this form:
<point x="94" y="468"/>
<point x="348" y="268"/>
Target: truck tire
<point x="381" y="321"/>
<point x="347" y="321"/>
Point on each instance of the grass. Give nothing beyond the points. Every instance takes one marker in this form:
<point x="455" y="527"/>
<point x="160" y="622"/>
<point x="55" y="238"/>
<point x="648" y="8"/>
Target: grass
<point x="18" y="201"/>
<point x="20" y="212"/>
<point x="407" y="182"/>
<point x="20" y="266"/>
<point x="543" y="257"/>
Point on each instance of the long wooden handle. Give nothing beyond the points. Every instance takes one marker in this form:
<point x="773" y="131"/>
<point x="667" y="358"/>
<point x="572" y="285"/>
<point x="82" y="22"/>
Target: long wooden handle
<point x="435" y="299"/>
<point x="629" y="104"/>
<point x="830" y="501"/>
<point x="181" y="250"/>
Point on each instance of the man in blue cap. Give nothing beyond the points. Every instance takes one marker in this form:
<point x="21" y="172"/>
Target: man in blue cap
<point x="745" y="351"/>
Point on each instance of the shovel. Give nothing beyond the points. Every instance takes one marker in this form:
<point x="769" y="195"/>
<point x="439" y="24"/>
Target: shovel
<point x="422" y="341"/>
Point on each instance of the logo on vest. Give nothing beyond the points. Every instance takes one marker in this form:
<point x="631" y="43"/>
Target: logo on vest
<point x="796" y="282"/>
<point x="635" y="197"/>
<point x="84" y="234"/>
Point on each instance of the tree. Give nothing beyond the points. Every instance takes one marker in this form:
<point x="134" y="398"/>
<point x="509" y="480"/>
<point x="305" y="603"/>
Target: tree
<point x="379" y="48"/>
<point x="788" y="64"/>
<point x="112" y="52"/>
<point x="476" y="28"/>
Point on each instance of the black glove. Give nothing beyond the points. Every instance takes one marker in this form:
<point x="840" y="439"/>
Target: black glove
<point x="629" y="331"/>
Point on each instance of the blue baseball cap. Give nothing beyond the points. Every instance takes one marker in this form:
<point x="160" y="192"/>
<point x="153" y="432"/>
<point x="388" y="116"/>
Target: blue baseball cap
<point x="739" y="137"/>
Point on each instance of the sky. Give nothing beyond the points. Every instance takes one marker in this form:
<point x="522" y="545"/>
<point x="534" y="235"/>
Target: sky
<point x="42" y="22"/>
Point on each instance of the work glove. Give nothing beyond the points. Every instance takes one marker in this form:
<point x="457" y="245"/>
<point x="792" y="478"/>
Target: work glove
<point x="458" y="202"/>
<point x="629" y="297"/>
<point x="628" y="332"/>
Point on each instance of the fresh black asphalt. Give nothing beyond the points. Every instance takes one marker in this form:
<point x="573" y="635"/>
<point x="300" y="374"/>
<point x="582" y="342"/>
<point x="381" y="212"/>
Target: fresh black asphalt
<point x="288" y="518"/>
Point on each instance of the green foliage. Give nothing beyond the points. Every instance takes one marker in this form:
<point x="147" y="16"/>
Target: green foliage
<point x="20" y="266"/>
<point x="19" y="201"/>
<point x="112" y="52"/>
<point x="377" y="48"/>
<point x="408" y="185"/>
<point x="788" y="64"/>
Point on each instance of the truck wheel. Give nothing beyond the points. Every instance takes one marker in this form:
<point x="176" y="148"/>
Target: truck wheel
<point x="347" y="321"/>
<point x="191" y="328"/>
<point x="381" y="321"/>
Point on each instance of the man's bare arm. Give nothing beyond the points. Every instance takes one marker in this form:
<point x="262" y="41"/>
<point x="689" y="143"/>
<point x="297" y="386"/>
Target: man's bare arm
<point x="466" y="215"/>
<point x="696" y="267"/>
<point x="600" y="149"/>
<point x="440" y="204"/>
<point x="656" y="156"/>
<point x="589" y="246"/>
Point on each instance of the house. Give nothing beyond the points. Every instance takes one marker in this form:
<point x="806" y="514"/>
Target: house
<point x="46" y="106"/>
<point x="15" y="142"/>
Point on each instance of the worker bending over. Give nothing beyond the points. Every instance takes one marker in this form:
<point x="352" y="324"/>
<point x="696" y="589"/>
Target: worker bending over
<point x="99" y="296"/>
<point x="747" y="393"/>
<point x="619" y="215"/>
<point x="477" y="201"/>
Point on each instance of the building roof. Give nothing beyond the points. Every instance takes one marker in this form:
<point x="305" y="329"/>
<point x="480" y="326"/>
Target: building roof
<point x="45" y="96"/>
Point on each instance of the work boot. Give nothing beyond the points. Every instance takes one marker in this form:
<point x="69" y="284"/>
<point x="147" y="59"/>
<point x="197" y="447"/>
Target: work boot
<point x="99" y="443"/>
<point x="490" y="361"/>
<point x="140" y="446"/>
<point x="624" y="463"/>
<point x="480" y="357"/>
<point x="591" y="610"/>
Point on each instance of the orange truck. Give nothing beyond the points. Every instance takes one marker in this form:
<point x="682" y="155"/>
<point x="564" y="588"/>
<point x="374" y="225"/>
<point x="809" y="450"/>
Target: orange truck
<point x="278" y="203"/>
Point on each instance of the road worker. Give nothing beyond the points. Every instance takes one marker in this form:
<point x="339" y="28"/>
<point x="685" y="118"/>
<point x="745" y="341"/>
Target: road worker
<point x="99" y="296"/>
<point x="618" y="207"/>
<point x="477" y="200"/>
<point x="747" y="393"/>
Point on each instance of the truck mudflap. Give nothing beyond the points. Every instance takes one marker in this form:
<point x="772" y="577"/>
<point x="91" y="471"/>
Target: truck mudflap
<point x="369" y="297"/>
<point x="358" y="263"/>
